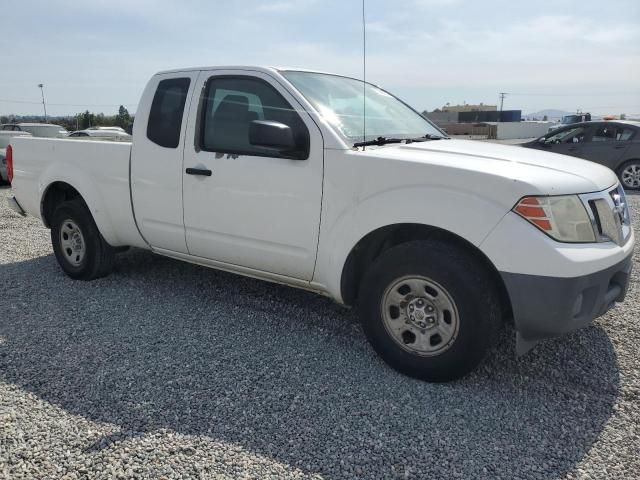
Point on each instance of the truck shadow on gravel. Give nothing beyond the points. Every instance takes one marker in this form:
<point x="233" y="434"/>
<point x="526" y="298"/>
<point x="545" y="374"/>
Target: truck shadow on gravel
<point x="287" y="374"/>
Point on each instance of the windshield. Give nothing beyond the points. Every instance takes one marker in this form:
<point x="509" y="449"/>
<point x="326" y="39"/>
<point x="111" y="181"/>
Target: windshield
<point x="339" y="101"/>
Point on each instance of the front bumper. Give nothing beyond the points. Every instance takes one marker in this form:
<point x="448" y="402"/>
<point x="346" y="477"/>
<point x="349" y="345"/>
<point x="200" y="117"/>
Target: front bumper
<point x="545" y="307"/>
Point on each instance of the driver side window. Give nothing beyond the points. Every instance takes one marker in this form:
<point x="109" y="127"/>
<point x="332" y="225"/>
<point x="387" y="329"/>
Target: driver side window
<point x="229" y="106"/>
<point x="572" y="135"/>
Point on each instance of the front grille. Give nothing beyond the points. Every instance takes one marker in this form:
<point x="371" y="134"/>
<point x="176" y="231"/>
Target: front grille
<point x="609" y="214"/>
<point x="609" y="223"/>
<point x="621" y="208"/>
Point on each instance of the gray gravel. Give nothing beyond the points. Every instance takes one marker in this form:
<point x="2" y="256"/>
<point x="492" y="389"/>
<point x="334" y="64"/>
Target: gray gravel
<point x="169" y="370"/>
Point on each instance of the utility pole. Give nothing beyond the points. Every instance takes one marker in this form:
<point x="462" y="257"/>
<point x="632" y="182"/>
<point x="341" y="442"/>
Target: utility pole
<point x="44" y="105"/>
<point x="502" y="95"/>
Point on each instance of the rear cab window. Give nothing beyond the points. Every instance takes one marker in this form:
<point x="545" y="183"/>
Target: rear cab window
<point x="167" y="109"/>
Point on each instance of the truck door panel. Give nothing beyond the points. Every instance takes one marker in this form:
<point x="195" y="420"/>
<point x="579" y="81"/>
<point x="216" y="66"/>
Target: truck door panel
<point x="258" y="208"/>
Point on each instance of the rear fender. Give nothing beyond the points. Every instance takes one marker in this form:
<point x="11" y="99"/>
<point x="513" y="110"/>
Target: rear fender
<point x="89" y="190"/>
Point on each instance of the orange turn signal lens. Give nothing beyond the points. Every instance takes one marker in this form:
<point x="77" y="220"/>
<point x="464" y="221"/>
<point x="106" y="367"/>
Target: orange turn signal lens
<point x="562" y="217"/>
<point x="543" y="224"/>
<point x="531" y="212"/>
<point x="530" y="209"/>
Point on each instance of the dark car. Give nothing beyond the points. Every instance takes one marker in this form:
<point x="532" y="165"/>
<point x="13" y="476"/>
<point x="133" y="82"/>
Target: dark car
<point x="614" y="144"/>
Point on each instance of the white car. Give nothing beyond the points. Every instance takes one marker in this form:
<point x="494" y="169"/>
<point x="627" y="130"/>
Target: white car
<point x="102" y="133"/>
<point x="270" y="173"/>
<point x="46" y="130"/>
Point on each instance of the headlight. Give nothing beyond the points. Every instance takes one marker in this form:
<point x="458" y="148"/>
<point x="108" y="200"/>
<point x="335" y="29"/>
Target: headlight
<point x="562" y="217"/>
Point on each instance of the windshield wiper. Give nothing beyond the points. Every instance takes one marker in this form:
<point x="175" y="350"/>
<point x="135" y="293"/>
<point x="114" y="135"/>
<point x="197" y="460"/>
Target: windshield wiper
<point x="379" y="142"/>
<point x="385" y="140"/>
<point x="428" y="136"/>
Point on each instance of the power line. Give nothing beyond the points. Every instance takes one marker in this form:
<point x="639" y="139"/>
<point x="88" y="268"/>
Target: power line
<point x="2" y="100"/>
<point x="586" y="94"/>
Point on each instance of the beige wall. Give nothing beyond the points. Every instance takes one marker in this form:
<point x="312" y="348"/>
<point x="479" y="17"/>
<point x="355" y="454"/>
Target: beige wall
<point x="469" y="108"/>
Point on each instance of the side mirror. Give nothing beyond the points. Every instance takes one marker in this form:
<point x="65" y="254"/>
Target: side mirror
<point x="269" y="134"/>
<point x="542" y="139"/>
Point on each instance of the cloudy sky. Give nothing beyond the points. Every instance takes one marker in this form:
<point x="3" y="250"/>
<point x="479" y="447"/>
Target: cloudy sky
<point x="98" y="54"/>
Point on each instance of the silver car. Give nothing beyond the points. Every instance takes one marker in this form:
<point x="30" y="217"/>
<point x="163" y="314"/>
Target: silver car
<point x="45" y="130"/>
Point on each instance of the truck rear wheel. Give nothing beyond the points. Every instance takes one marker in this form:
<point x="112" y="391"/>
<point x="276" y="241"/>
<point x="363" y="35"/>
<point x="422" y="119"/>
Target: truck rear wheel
<point x="77" y="244"/>
<point x="429" y="310"/>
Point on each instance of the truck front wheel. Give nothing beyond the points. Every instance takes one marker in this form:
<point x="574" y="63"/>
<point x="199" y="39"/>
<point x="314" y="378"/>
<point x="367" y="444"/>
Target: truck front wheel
<point x="429" y="310"/>
<point x="77" y="244"/>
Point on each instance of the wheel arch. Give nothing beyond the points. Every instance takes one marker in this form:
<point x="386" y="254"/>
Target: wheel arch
<point x="60" y="190"/>
<point x="373" y="244"/>
<point x="623" y="163"/>
<point x="56" y="193"/>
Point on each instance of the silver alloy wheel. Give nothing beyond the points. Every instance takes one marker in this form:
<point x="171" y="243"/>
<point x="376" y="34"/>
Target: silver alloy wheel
<point x="631" y="175"/>
<point x="420" y="315"/>
<point x="72" y="242"/>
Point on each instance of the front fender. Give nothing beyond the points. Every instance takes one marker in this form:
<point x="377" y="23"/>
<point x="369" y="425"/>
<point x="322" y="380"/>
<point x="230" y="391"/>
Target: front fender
<point x="460" y="212"/>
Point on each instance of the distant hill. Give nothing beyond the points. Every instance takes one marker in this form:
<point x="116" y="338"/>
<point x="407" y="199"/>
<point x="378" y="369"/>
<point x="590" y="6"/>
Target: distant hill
<point x="550" y="113"/>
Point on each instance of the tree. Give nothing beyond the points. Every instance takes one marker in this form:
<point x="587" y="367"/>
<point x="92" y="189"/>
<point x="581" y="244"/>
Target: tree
<point x="123" y="119"/>
<point x="87" y="119"/>
<point x="623" y="116"/>
<point x="545" y="118"/>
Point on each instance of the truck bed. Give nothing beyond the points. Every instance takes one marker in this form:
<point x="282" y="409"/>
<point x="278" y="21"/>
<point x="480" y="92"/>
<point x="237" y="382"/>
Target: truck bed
<point x="99" y="168"/>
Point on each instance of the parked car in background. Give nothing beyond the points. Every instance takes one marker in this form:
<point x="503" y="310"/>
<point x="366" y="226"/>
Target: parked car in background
<point x="102" y="133"/>
<point x="613" y="144"/>
<point x="569" y="119"/>
<point x="5" y="139"/>
<point x="47" y="130"/>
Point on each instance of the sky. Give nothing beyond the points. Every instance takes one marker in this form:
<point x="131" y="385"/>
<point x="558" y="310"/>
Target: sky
<point x="98" y="54"/>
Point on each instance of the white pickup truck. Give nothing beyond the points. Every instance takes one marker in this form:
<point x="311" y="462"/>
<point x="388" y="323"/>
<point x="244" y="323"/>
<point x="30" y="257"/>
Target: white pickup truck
<point x="272" y="173"/>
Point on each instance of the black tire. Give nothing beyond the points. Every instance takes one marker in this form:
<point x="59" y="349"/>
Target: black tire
<point x="620" y="171"/>
<point x="468" y="286"/>
<point x="98" y="257"/>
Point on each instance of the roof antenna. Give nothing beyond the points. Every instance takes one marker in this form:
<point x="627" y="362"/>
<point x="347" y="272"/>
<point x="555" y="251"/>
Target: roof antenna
<point x="364" y="77"/>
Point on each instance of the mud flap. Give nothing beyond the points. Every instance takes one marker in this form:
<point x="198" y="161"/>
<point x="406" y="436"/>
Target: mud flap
<point x="523" y="345"/>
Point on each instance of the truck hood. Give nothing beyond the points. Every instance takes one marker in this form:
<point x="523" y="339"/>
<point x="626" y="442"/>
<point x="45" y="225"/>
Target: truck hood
<point x="543" y="172"/>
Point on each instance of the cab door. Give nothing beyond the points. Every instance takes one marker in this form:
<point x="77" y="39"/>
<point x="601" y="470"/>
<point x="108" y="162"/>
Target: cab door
<point x="246" y="205"/>
<point x="157" y="155"/>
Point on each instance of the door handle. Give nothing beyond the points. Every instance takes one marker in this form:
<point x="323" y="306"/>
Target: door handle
<point x="198" y="171"/>
<point x="572" y="149"/>
<point x="618" y="147"/>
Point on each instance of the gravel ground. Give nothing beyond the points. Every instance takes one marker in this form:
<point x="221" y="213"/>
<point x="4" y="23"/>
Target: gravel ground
<point x="169" y="370"/>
